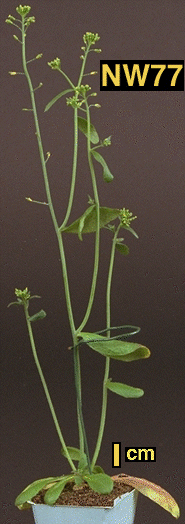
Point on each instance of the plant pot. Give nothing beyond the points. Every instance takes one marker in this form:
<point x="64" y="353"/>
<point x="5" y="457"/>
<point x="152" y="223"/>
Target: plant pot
<point x="123" y="512"/>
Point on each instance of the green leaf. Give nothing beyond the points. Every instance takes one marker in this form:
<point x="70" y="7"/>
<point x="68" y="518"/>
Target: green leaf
<point x="54" y="492"/>
<point x="100" y="482"/>
<point x="82" y="221"/>
<point x="38" y="316"/>
<point x="74" y="453"/>
<point x="83" y="126"/>
<point x="57" y="98"/>
<point x="122" y="248"/>
<point x="17" y="303"/>
<point x="116" y="349"/>
<point x="82" y="462"/>
<point x="153" y="492"/>
<point x="78" y="479"/>
<point x="98" y="469"/>
<point x="24" y="506"/>
<point x="107" y="175"/>
<point x="30" y="491"/>
<point x="87" y="222"/>
<point x="128" y="228"/>
<point x="124" y="390"/>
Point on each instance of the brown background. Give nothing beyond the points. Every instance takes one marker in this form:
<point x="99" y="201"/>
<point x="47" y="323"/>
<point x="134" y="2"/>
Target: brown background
<point x="147" y="159"/>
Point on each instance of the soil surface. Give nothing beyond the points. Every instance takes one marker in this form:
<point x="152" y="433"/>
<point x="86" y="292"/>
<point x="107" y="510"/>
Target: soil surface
<point x="83" y="495"/>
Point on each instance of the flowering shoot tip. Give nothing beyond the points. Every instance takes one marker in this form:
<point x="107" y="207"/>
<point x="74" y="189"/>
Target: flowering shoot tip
<point x="126" y="217"/>
<point x="107" y="141"/>
<point x="55" y="64"/>
<point x="23" y="10"/>
<point x="22" y="295"/>
<point x="90" y="38"/>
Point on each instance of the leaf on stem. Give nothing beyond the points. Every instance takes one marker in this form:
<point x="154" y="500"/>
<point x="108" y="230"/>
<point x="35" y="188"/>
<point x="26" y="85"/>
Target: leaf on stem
<point x="83" y="126"/>
<point x="99" y="482"/>
<point x="116" y="349"/>
<point x="153" y="492"/>
<point x="30" y="491"/>
<point x="107" y="175"/>
<point x="82" y="222"/>
<point x="87" y="223"/>
<point x="122" y="248"/>
<point x="124" y="390"/>
<point x="128" y="228"/>
<point x="38" y="316"/>
<point x="50" y="104"/>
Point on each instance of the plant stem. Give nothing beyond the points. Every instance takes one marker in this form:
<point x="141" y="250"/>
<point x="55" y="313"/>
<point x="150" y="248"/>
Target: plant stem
<point x="107" y="361"/>
<point x="49" y="199"/>
<point x="73" y="179"/>
<point x="62" y="441"/>
<point x="44" y="169"/>
<point x="97" y="239"/>
<point x="82" y="431"/>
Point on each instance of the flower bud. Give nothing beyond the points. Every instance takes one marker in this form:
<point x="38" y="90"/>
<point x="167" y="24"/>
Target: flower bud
<point x="107" y="141"/>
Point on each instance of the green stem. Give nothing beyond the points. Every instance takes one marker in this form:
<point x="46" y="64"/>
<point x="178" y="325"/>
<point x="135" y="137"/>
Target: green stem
<point x="83" y="64"/>
<point x="82" y="434"/>
<point x="107" y="362"/>
<point x="79" y="406"/>
<point x="81" y="426"/>
<point x="97" y="238"/>
<point x="73" y="179"/>
<point x="49" y="199"/>
<point x="67" y="78"/>
<point x="62" y="441"/>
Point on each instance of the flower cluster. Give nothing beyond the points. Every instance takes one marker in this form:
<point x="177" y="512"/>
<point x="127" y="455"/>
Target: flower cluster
<point x="126" y="217"/>
<point x="55" y="64"/>
<point x="29" y="20"/>
<point x="82" y="90"/>
<point x="90" y="38"/>
<point x="23" y="10"/>
<point x="23" y="296"/>
<point x="107" y="141"/>
<point x="74" y="102"/>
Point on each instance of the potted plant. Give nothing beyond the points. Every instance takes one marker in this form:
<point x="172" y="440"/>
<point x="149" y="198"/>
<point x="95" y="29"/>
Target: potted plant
<point x="87" y="494"/>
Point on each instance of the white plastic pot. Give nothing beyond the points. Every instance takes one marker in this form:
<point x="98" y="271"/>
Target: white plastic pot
<point x="123" y="512"/>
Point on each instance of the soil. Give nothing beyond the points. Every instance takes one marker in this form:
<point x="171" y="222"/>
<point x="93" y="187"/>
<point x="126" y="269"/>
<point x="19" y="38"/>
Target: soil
<point x="83" y="495"/>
